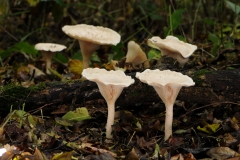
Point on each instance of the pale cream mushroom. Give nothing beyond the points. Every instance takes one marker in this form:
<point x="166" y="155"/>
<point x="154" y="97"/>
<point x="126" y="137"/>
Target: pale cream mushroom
<point x="135" y="55"/>
<point x="110" y="84"/>
<point x="90" y="38"/>
<point x="173" y="47"/>
<point x="167" y="84"/>
<point x="48" y="50"/>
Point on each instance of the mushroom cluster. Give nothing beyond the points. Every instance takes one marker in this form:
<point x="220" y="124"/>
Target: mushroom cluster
<point x="111" y="83"/>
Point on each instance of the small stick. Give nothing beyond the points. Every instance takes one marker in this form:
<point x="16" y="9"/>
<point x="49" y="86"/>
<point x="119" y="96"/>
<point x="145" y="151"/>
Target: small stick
<point x="131" y="138"/>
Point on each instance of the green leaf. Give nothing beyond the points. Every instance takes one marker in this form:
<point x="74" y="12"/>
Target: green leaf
<point x="60" y="2"/>
<point x="60" y="57"/>
<point x="63" y="122"/>
<point x="176" y="18"/>
<point x="166" y="31"/>
<point x="77" y="55"/>
<point x="209" y="128"/>
<point x="156" y="151"/>
<point x="118" y="53"/>
<point x="23" y="47"/>
<point x="214" y="38"/>
<point x="153" y="53"/>
<point x="78" y="115"/>
<point x="235" y="8"/>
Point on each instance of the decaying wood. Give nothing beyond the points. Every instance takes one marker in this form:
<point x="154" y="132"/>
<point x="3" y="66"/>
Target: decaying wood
<point x="212" y="86"/>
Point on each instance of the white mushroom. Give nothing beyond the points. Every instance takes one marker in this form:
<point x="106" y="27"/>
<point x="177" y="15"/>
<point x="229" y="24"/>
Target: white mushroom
<point x="167" y="84"/>
<point x="135" y="55"/>
<point x="90" y="38"/>
<point x="47" y="50"/>
<point x="173" y="47"/>
<point x="110" y="84"/>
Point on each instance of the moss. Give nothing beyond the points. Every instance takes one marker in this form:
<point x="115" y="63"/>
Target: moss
<point x="15" y="95"/>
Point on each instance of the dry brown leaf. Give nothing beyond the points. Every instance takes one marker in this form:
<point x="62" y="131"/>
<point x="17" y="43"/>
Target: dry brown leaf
<point x="233" y="124"/>
<point x="189" y="156"/>
<point x="177" y="157"/>
<point x="234" y="158"/>
<point x="222" y="153"/>
<point x="132" y="155"/>
<point x="39" y="155"/>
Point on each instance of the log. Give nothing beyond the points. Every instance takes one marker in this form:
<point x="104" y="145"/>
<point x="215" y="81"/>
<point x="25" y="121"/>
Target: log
<point x="211" y="86"/>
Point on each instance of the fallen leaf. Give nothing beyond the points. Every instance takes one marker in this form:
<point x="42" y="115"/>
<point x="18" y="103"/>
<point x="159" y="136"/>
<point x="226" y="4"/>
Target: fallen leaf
<point x="177" y="157"/>
<point x="222" y="153"/>
<point x="39" y="155"/>
<point x="132" y="155"/>
<point x="78" y="115"/>
<point x="75" y="66"/>
<point x="209" y="128"/>
<point x="63" y="156"/>
<point x="103" y="156"/>
<point x="233" y="124"/>
<point x="156" y="151"/>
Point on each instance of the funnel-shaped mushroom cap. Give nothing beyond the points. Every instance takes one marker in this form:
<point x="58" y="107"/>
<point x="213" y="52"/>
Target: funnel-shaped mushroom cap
<point x="173" y="47"/>
<point x="167" y="84"/>
<point x="164" y="81"/>
<point x="110" y="83"/>
<point x="135" y="55"/>
<point x="52" y="47"/>
<point x="94" y="34"/>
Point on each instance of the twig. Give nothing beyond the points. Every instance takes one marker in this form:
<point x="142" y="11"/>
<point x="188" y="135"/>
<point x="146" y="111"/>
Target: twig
<point x="95" y="149"/>
<point x="131" y="138"/>
<point x="8" y="33"/>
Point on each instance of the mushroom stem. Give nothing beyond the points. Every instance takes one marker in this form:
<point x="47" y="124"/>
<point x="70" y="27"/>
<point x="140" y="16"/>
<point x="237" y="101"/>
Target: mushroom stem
<point x="47" y="56"/>
<point x="168" y="121"/>
<point x="168" y="94"/>
<point x="110" y="119"/>
<point x="87" y="49"/>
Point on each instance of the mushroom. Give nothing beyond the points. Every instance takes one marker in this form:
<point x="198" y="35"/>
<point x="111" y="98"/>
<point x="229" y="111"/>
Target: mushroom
<point x="90" y="38"/>
<point x="167" y="85"/>
<point x="135" y="55"/>
<point x="48" y="50"/>
<point x="110" y="84"/>
<point x="173" y="47"/>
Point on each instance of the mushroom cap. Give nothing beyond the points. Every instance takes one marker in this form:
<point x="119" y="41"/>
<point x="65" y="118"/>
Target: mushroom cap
<point x="163" y="78"/>
<point x="172" y="44"/>
<point x="50" y="47"/>
<point x="94" y="34"/>
<point x="135" y="54"/>
<point x="116" y="78"/>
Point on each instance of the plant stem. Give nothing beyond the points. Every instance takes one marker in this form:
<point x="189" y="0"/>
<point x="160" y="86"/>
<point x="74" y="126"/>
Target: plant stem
<point x="194" y="20"/>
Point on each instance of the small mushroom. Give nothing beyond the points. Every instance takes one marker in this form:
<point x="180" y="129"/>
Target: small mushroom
<point x="90" y="38"/>
<point x="167" y="84"/>
<point x="136" y="56"/>
<point x="173" y="47"/>
<point x="110" y="84"/>
<point x="48" y="50"/>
